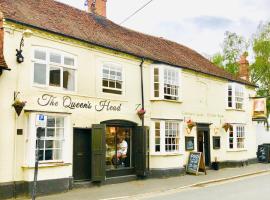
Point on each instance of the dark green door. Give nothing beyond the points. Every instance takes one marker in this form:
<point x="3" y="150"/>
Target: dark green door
<point x="82" y="154"/>
<point x="141" y="151"/>
<point x="98" y="152"/>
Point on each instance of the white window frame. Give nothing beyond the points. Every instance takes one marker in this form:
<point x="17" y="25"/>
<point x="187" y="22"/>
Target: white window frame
<point x="120" y="68"/>
<point x="162" y="137"/>
<point x="234" y="87"/>
<point x="66" y="152"/>
<point x="49" y="64"/>
<point x="161" y="71"/>
<point x="239" y="132"/>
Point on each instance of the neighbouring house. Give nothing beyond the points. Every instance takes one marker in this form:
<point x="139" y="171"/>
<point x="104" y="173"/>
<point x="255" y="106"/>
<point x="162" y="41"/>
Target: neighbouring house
<point x="100" y="102"/>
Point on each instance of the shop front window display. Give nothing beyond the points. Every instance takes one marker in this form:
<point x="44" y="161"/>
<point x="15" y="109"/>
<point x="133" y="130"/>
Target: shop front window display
<point x="118" y="147"/>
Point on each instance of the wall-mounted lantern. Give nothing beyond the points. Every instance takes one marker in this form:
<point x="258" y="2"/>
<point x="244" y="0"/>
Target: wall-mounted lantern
<point x="27" y="33"/>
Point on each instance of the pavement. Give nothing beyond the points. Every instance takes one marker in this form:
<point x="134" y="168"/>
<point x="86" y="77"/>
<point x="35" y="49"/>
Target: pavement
<point x="146" y="187"/>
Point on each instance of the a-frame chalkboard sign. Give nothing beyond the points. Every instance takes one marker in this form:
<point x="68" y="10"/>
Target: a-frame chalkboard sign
<point x="195" y="163"/>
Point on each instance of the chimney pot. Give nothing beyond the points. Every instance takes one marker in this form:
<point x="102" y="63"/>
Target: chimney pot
<point x="97" y="7"/>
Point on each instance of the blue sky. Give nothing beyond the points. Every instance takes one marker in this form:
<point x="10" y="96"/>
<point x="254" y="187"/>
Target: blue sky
<point x="198" y="24"/>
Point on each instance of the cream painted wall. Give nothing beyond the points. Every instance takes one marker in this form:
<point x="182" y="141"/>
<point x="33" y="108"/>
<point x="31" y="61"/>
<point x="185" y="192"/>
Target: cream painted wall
<point x="203" y="100"/>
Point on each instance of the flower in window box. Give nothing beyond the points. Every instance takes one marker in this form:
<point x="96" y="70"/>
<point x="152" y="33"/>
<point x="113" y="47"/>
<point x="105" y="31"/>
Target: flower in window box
<point x="141" y="113"/>
<point x="226" y="126"/>
<point x="190" y="124"/>
<point x="18" y="106"/>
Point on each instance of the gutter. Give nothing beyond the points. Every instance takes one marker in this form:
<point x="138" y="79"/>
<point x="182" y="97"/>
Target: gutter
<point x="125" y="52"/>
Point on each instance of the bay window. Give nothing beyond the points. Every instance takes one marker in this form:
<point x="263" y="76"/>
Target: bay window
<point x="235" y="96"/>
<point x="54" y="69"/>
<point x="166" y="136"/>
<point x="165" y="82"/>
<point x="237" y="137"/>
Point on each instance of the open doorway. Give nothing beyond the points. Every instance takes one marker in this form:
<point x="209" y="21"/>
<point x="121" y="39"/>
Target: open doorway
<point x="203" y="142"/>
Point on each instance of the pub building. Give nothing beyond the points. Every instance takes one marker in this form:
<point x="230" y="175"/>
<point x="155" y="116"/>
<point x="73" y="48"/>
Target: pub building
<point x="102" y="103"/>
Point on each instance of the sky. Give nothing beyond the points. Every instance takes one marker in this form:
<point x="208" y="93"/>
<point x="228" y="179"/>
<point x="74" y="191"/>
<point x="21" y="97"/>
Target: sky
<point x="198" y="24"/>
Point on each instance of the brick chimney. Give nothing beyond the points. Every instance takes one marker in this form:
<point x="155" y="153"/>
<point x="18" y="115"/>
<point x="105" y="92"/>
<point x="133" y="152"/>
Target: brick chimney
<point x="244" y="67"/>
<point x="97" y="7"/>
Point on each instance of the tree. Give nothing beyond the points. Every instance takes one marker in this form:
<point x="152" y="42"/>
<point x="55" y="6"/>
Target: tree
<point x="232" y="48"/>
<point x="218" y="60"/>
<point x="260" y="69"/>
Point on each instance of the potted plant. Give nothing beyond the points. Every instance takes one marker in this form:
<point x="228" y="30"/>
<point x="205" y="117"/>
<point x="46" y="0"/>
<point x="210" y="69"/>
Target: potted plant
<point x="190" y="124"/>
<point x="141" y="113"/>
<point x="215" y="164"/>
<point x="18" y="106"/>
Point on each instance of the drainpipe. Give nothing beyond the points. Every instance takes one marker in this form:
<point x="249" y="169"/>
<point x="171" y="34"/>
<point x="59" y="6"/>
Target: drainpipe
<point x="142" y="91"/>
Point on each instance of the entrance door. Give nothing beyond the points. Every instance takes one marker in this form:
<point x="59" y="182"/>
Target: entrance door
<point x="203" y="142"/>
<point x="82" y="155"/>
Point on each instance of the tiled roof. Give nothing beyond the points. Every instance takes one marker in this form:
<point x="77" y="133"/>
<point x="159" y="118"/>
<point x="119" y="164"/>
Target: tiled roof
<point x="62" y="19"/>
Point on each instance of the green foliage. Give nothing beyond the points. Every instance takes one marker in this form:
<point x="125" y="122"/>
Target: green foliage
<point x="260" y="69"/>
<point x="218" y="60"/>
<point x="232" y="48"/>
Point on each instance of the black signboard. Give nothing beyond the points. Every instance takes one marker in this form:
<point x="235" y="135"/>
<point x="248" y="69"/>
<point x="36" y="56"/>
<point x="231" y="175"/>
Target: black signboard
<point x="263" y="153"/>
<point x="216" y="142"/>
<point x="189" y="143"/>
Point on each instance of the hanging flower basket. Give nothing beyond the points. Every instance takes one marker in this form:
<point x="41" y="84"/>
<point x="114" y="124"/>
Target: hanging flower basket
<point x="190" y="124"/>
<point x="18" y="106"/>
<point x="226" y="126"/>
<point x="141" y="113"/>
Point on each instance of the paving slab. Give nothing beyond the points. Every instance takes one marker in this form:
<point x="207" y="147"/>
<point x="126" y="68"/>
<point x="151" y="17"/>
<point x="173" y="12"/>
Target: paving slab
<point x="154" y="184"/>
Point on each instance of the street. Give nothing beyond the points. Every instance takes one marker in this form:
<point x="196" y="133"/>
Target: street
<point x="249" y="188"/>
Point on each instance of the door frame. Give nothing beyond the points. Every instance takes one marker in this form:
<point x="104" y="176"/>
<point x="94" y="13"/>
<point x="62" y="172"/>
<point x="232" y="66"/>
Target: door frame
<point x="207" y="152"/>
<point x="74" y="131"/>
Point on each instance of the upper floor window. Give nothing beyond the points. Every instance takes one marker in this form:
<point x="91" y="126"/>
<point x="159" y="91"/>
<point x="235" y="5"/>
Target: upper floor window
<point x="112" y="79"/>
<point x="166" y="136"/>
<point x="166" y="83"/>
<point x="55" y="69"/>
<point x="235" y="96"/>
<point x="237" y="137"/>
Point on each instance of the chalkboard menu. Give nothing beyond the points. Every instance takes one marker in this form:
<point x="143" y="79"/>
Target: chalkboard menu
<point x="193" y="162"/>
<point x="216" y="142"/>
<point x="262" y="153"/>
<point x="189" y="143"/>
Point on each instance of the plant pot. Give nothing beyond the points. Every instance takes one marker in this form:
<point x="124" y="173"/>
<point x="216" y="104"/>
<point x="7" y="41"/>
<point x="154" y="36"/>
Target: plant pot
<point x="18" y="109"/>
<point x="215" y="165"/>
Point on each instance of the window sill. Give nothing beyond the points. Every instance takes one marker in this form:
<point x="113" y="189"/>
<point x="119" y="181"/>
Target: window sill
<point x="47" y="165"/>
<point x="166" y="100"/>
<point x="236" y="150"/>
<point x="234" y="109"/>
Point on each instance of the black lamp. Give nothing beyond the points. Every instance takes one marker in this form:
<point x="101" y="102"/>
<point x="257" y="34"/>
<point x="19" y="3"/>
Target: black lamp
<point x="20" y="58"/>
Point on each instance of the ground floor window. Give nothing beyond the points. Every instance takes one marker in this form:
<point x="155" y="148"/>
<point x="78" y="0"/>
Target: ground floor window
<point x="118" y="147"/>
<point x="237" y="136"/>
<point x="50" y="132"/>
<point x="166" y="136"/>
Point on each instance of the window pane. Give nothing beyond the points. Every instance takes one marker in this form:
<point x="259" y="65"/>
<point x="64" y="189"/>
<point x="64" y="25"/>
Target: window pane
<point x="69" y="79"/>
<point x="48" y="155"/>
<point x="56" y="58"/>
<point x="57" y="154"/>
<point x="40" y="73"/>
<point x="69" y="61"/>
<point x="51" y="121"/>
<point x="41" y="144"/>
<point x="41" y="155"/>
<point x="49" y="144"/>
<point x="59" y="122"/>
<point x="41" y="55"/>
<point x="55" y="76"/>
<point x="40" y="132"/>
<point x="50" y="132"/>
<point x="59" y="132"/>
